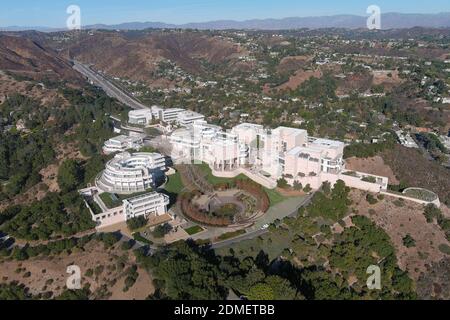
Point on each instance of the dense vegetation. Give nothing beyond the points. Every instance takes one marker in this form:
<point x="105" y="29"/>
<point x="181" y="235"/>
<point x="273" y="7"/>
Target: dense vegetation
<point x="21" y="159"/>
<point x="363" y="150"/>
<point x="413" y="169"/>
<point x="14" y="291"/>
<point x="55" y="215"/>
<point x="188" y="271"/>
<point x="24" y="153"/>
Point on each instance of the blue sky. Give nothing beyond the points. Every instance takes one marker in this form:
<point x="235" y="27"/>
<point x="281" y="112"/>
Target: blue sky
<point x="53" y="13"/>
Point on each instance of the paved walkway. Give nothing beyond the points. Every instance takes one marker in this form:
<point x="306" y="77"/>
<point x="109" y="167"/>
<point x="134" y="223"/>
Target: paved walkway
<point x="288" y="208"/>
<point x="280" y="211"/>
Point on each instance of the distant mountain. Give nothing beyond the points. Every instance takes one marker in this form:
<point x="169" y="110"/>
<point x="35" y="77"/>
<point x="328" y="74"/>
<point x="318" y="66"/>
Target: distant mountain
<point x="388" y="21"/>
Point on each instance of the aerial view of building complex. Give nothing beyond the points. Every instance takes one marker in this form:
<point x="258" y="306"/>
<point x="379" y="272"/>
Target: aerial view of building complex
<point x="230" y="158"/>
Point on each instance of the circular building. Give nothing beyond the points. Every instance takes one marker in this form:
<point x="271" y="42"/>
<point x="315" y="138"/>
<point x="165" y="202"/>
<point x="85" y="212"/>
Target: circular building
<point x="130" y="173"/>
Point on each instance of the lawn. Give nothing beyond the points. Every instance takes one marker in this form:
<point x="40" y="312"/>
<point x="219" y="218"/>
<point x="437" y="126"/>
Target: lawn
<point x="114" y="200"/>
<point x="174" y="185"/>
<point x="193" y="230"/>
<point x="216" y="180"/>
<point x="230" y="235"/>
<point x="137" y="236"/>
<point x="274" y="196"/>
<point x="94" y="206"/>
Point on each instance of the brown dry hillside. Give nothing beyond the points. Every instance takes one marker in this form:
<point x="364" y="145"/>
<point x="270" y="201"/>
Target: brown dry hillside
<point x="24" y="57"/>
<point x="103" y="270"/>
<point x="136" y="57"/>
<point x="10" y="86"/>
<point x="374" y="165"/>
<point x="399" y="221"/>
<point x="414" y="169"/>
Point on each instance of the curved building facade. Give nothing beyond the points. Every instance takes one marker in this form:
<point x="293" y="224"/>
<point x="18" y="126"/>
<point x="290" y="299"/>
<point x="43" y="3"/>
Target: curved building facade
<point x="131" y="173"/>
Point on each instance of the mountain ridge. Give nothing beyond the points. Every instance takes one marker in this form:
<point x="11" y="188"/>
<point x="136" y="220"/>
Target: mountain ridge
<point x="390" y="20"/>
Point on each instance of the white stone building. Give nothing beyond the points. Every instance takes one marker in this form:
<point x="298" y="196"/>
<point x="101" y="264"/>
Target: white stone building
<point x="187" y="118"/>
<point x="266" y="155"/>
<point x="166" y="115"/>
<point x="130" y="173"/>
<point x="153" y="203"/>
<point x="150" y="205"/>
<point x="122" y="143"/>
<point x="140" y="117"/>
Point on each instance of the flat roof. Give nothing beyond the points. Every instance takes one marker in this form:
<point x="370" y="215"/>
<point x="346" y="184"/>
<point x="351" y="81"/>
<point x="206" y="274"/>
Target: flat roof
<point x="327" y="143"/>
<point x="123" y="138"/>
<point x="309" y="149"/>
<point x="139" y="112"/>
<point x="189" y="113"/>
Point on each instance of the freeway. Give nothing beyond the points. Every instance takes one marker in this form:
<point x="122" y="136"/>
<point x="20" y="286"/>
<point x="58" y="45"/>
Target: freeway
<point x="110" y="89"/>
<point x="259" y="232"/>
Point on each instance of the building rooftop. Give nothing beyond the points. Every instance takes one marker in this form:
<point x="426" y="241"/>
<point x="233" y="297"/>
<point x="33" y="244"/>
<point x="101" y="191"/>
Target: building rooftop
<point x="139" y="112"/>
<point x="326" y="143"/>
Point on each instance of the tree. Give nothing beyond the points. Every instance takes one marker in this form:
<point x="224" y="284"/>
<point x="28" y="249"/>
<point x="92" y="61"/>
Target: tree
<point x="409" y="241"/>
<point x="137" y="223"/>
<point x="297" y="186"/>
<point x="82" y="294"/>
<point x="326" y="187"/>
<point x="14" y="291"/>
<point x="307" y="188"/>
<point x="282" y="183"/>
<point x="69" y="175"/>
<point x="161" y="230"/>
<point x="261" y="291"/>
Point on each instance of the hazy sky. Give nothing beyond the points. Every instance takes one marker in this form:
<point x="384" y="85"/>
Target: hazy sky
<point x="52" y="13"/>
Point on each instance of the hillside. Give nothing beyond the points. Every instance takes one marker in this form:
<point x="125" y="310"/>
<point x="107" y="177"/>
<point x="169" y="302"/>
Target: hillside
<point x="25" y="58"/>
<point x="414" y="169"/>
<point x="139" y="56"/>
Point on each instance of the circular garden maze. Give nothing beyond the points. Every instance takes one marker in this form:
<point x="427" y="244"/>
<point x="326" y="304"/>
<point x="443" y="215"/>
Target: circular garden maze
<point x="237" y="202"/>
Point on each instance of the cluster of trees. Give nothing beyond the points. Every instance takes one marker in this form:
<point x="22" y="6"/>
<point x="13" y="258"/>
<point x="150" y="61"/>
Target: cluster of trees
<point x="132" y="276"/>
<point x="55" y="215"/>
<point x="90" y="114"/>
<point x="21" y="159"/>
<point x="137" y="223"/>
<point x="74" y="174"/>
<point x="23" y="155"/>
<point x="186" y="271"/>
<point x="364" y="150"/>
<point x="332" y="204"/>
<point x="14" y="291"/>
<point x="434" y="146"/>
<point x="433" y="213"/>
<point x="51" y="248"/>
<point x="363" y="245"/>
<point x="322" y="89"/>
<point x="161" y="230"/>
<point x="56" y="247"/>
